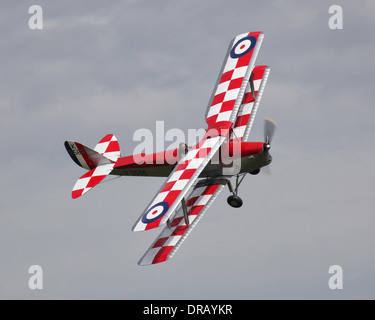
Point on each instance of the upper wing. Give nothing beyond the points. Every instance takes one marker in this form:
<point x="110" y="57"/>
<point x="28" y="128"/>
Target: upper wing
<point x="221" y="114"/>
<point x="173" y="235"/>
<point x="178" y="183"/>
<point x="249" y="106"/>
<point x="233" y="78"/>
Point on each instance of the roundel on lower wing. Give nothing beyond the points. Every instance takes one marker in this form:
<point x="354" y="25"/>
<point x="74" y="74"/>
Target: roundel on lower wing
<point x="155" y="212"/>
<point x="242" y="47"/>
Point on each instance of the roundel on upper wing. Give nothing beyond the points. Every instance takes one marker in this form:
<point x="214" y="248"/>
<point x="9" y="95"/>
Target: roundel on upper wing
<point x="242" y="47"/>
<point x="155" y="212"/>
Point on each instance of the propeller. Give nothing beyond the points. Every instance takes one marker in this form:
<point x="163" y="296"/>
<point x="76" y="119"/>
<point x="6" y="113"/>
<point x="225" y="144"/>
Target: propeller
<point x="266" y="170"/>
<point x="269" y="130"/>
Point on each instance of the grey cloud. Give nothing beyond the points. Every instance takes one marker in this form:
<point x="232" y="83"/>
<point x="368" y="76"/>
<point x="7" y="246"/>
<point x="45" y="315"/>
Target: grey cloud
<point x="112" y="68"/>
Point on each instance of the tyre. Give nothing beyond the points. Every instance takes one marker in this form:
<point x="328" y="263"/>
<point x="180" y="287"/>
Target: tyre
<point x="234" y="201"/>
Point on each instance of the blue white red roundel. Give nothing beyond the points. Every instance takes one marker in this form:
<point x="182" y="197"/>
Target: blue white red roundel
<point x="155" y="212"/>
<point x="242" y="47"/>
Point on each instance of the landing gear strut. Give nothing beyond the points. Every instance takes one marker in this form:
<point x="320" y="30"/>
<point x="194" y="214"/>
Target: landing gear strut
<point x="234" y="200"/>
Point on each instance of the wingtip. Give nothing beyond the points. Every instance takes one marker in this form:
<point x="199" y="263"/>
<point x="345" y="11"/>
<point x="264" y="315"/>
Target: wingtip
<point x="137" y="228"/>
<point x="76" y="194"/>
<point x="140" y="263"/>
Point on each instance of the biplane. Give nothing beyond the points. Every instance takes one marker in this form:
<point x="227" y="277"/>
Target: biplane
<point x="200" y="172"/>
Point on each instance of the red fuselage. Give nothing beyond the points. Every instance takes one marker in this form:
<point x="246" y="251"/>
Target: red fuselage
<point x="250" y="155"/>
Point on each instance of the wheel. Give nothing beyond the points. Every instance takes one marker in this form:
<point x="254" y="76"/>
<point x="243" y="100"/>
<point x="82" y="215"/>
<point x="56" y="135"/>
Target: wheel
<point x="255" y="172"/>
<point x="234" y="201"/>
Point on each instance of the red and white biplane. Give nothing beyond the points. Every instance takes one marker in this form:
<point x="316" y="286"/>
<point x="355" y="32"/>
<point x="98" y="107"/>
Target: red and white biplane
<point x="199" y="172"/>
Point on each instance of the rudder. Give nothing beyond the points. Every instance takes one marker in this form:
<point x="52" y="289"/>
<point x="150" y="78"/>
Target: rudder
<point x="84" y="156"/>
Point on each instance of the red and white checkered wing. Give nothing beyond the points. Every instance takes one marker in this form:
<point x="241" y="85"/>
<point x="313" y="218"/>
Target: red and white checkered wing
<point x="249" y="106"/>
<point x="172" y="237"/>
<point x="178" y="184"/>
<point x="233" y="78"/>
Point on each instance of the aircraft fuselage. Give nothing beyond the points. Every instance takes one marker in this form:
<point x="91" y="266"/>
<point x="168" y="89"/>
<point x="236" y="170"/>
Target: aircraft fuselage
<point x="232" y="158"/>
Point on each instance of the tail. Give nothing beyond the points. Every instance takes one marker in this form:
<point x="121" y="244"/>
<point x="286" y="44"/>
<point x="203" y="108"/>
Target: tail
<point x="99" y="162"/>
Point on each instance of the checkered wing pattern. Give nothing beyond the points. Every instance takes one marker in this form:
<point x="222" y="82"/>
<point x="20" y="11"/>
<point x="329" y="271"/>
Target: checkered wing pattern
<point x="249" y="106"/>
<point x="178" y="183"/>
<point x="172" y="237"/>
<point x="90" y="179"/>
<point x="233" y="78"/>
<point x="109" y="147"/>
<point x="99" y="161"/>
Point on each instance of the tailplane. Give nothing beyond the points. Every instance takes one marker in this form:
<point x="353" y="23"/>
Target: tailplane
<point x="99" y="161"/>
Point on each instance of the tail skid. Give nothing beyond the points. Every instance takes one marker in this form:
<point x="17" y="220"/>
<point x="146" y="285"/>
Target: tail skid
<point x="99" y="161"/>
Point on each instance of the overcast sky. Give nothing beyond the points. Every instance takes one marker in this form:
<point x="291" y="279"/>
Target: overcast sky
<point x="101" y="67"/>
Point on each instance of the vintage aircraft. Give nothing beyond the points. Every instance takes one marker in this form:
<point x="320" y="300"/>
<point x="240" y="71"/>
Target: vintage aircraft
<point x="200" y="172"/>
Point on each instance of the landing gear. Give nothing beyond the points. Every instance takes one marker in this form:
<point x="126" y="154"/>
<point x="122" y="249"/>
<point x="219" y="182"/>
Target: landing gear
<point x="234" y="200"/>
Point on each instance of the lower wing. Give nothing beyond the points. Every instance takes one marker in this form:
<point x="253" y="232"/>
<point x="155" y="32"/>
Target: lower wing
<point x="175" y="233"/>
<point x="178" y="184"/>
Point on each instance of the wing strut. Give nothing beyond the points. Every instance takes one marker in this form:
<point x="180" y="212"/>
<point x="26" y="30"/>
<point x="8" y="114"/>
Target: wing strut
<point x="184" y="209"/>
<point x="252" y="86"/>
<point x="172" y="236"/>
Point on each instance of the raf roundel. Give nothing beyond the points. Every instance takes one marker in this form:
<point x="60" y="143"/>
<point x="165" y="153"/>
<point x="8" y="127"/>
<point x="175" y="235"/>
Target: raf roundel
<point x="155" y="212"/>
<point x="242" y="47"/>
